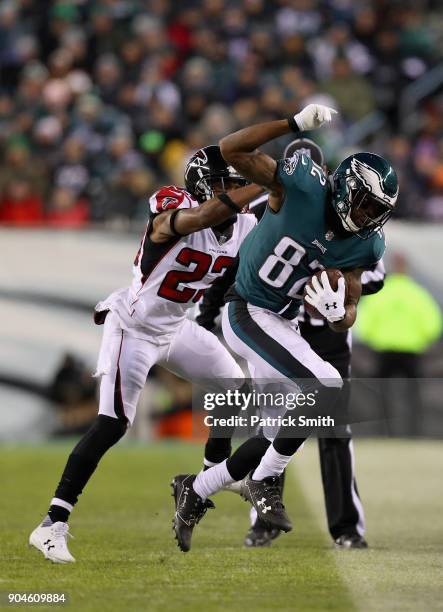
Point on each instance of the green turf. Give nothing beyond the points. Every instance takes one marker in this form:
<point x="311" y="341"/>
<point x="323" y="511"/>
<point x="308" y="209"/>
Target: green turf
<point x="401" y="485"/>
<point x="126" y="555"/>
<point x="127" y="558"/>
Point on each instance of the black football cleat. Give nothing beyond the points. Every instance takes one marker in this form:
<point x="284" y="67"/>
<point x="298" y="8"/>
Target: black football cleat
<point x="265" y="496"/>
<point x="189" y="509"/>
<point x="261" y="535"/>
<point x="351" y="541"/>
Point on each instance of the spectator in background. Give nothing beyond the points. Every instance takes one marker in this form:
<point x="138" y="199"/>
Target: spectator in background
<point x="28" y="98"/>
<point x="20" y="205"/>
<point x="108" y="77"/>
<point x="387" y="77"/>
<point x="72" y="171"/>
<point x="400" y="323"/>
<point x="47" y="139"/>
<point x="20" y="167"/>
<point x="67" y="209"/>
<point x="11" y="32"/>
<point x="338" y="42"/>
<point x="73" y="392"/>
<point x="128" y="180"/>
<point x="6" y="117"/>
<point x="353" y="93"/>
<point x="175" y="74"/>
<point x="399" y="151"/>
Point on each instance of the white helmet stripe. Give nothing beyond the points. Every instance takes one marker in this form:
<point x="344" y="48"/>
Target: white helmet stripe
<point x="372" y="180"/>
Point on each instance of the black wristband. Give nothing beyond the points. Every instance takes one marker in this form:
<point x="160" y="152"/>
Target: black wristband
<point x="223" y="197"/>
<point x="293" y="124"/>
<point x="172" y="222"/>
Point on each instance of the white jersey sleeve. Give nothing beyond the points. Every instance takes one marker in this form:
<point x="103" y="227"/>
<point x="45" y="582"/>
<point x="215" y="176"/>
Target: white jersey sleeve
<point x="171" y="277"/>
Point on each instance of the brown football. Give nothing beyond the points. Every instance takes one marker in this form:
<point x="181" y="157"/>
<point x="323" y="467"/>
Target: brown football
<point x="333" y="275"/>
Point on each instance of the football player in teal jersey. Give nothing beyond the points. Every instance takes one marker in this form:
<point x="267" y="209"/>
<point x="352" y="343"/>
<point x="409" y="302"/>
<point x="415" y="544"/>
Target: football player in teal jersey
<point x="312" y="222"/>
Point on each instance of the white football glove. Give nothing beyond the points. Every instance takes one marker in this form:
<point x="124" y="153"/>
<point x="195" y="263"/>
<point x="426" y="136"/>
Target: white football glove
<point x="313" y="116"/>
<point x="329" y="303"/>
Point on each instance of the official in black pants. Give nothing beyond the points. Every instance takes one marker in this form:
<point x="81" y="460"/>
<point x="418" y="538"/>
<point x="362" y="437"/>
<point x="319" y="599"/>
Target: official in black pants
<point x="344" y="509"/>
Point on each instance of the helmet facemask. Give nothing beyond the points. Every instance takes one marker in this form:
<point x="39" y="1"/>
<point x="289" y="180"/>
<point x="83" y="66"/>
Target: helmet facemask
<point x="362" y="212"/>
<point x="364" y="193"/>
<point x="205" y="186"/>
<point x="207" y="173"/>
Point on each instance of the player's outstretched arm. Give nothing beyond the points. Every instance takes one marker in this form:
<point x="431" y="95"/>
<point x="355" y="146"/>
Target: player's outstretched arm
<point x="354" y="286"/>
<point x="240" y="148"/>
<point x="184" y="221"/>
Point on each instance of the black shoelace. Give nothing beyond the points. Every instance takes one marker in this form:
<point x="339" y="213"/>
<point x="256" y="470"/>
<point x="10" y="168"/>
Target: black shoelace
<point x="272" y="489"/>
<point x="199" y="510"/>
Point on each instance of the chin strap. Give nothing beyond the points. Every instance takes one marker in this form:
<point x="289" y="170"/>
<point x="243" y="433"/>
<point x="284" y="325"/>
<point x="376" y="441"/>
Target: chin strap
<point x="349" y="224"/>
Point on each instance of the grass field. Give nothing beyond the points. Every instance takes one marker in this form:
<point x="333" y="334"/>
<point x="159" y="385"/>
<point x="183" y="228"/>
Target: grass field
<point x="127" y="558"/>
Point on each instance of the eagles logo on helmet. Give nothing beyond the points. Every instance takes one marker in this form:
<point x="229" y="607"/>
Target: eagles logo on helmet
<point x="364" y="194"/>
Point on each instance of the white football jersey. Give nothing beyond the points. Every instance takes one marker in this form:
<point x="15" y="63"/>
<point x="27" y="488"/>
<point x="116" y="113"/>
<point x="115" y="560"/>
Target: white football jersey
<point x="170" y="278"/>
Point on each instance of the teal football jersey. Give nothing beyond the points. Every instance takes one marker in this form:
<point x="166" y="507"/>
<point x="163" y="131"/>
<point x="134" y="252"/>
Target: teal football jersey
<point x="286" y="248"/>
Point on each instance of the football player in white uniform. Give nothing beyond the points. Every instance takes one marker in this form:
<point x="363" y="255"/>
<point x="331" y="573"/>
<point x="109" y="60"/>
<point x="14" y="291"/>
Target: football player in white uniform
<point x="179" y="257"/>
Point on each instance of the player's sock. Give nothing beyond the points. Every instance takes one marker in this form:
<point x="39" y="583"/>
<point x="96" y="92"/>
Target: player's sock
<point x="288" y="446"/>
<point x="47" y="521"/>
<point x="59" y="510"/>
<point x="208" y="464"/>
<point x="277" y="457"/>
<point x="104" y="433"/>
<point x="247" y="457"/>
<point x="218" y="446"/>
<point x="216" y="451"/>
<point x="212" y="480"/>
<point x="272" y="464"/>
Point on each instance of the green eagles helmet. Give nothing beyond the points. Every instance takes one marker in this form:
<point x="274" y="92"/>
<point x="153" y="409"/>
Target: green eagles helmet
<point x="364" y="193"/>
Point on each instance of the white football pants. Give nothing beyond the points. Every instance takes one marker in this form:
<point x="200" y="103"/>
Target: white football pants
<point x="125" y="360"/>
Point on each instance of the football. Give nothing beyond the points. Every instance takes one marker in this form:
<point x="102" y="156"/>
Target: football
<point x="333" y="275"/>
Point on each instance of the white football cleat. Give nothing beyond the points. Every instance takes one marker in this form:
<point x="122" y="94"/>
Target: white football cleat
<point x="52" y="541"/>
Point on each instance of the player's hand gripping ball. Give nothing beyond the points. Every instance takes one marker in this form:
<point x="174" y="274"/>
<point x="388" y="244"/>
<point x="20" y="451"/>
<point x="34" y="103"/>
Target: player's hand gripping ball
<point x="325" y="295"/>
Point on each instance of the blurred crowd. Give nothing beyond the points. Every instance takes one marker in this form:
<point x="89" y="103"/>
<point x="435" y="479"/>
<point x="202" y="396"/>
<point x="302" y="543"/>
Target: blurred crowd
<point x="103" y="101"/>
